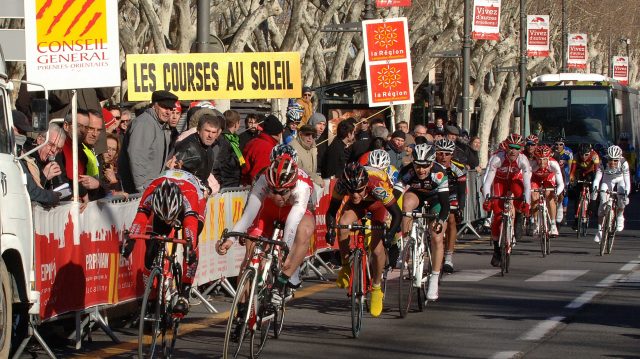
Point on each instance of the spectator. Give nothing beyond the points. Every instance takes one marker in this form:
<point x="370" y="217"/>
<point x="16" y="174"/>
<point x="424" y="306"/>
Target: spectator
<point x="439" y="125"/>
<point x="40" y="171"/>
<point x="196" y="153"/>
<point x="438" y="134"/>
<point x="125" y="118"/>
<point x="363" y="132"/>
<point x="409" y="142"/>
<point x="362" y="146"/>
<point x="173" y="124"/>
<point x="21" y="126"/>
<point x="193" y="118"/>
<point x="319" y="123"/>
<point x="256" y="153"/>
<point x="461" y="153"/>
<point x="305" y="145"/>
<point x="337" y="154"/>
<point x="474" y="159"/>
<point x="421" y="131"/>
<point x="230" y="161"/>
<point x="396" y="148"/>
<point x="109" y="165"/>
<point x="250" y="130"/>
<point x="146" y="143"/>
<point x="305" y="103"/>
<point x="111" y="123"/>
<point x="91" y="179"/>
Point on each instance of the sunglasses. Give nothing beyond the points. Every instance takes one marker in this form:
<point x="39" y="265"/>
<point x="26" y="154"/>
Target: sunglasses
<point x="515" y="147"/>
<point x="306" y="95"/>
<point x="559" y="144"/>
<point x="422" y="166"/>
<point x="614" y="161"/>
<point x="446" y="154"/>
<point x="282" y="192"/>
<point x="358" y="190"/>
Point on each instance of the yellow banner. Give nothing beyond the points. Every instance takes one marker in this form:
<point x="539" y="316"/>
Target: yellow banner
<point x="215" y="76"/>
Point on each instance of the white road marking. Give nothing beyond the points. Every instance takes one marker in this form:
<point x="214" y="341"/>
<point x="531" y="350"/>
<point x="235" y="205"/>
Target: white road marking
<point x="470" y="275"/>
<point x="582" y="299"/>
<point x="540" y="330"/>
<point x="505" y="354"/>
<point x="632" y="279"/>
<point x="609" y="280"/>
<point x="553" y="275"/>
<point x="631" y="266"/>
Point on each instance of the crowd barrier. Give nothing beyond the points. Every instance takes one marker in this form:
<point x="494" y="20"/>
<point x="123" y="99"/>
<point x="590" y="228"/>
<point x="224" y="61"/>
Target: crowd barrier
<point x="473" y="211"/>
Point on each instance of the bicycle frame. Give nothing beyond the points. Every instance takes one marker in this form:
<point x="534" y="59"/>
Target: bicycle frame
<point x="543" y="218"/>
<point x="506" y="230"/>
<point x="608" y="219"/>
<point x="582" y="215"/>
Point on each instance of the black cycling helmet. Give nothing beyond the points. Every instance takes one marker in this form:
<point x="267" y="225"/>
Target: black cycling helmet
<point x="167" y="201"/>
<point x="354" y="177"/>
<point x="584" y="148"/>
<point x="424" y="154"/>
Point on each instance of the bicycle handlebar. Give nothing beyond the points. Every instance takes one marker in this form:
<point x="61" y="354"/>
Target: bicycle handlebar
<point x="155" y="237"/>
<point x="226" y="234"/>
<point x="358" y="227"/>
<point x="582" y="182"/>
<point x="608" y="191"/>
<point x="420" y="215"/>
<point x="543" y="189"/>
<point x="506" y="198"/>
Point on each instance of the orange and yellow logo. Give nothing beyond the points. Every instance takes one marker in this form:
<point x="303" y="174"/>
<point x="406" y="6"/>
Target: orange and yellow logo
<point x="71" y="20"/>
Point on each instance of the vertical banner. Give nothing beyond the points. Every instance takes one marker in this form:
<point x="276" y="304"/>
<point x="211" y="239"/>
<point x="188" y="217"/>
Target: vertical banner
<point x="390" y="3"/>
<point x="388" y="62"/>
<point x="621" y="69"/>
<point x="486" y="20"/>
<point x="538" y="35"/>
<point x="577" y="53"/>
<point x="72" y="44"/>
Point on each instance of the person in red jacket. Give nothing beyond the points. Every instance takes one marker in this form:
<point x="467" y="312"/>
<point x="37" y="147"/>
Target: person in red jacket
<point x="256" y="152"/>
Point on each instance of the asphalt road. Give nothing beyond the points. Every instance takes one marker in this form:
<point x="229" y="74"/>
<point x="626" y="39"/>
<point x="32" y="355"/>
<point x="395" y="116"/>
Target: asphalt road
<point x="571" y="304"/>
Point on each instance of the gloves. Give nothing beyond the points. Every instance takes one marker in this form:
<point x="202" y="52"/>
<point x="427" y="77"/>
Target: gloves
<point x="126" y="247"/>
<point x="438" y="226"/>
<point x="459" y="214"/>
<point x="330" y="237"/>
<point x="486" y="205"/>
<point x="389" y="238"/>
<point x="191" y="257"/>
<point x="525" y="209"/>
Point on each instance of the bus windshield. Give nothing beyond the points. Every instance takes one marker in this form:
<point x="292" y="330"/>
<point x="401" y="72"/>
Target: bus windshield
<point x="578" y="115"/>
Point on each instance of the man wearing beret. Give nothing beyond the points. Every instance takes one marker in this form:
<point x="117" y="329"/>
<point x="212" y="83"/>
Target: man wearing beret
<point x="146" y="143"/>
<point x="257" y="151"/>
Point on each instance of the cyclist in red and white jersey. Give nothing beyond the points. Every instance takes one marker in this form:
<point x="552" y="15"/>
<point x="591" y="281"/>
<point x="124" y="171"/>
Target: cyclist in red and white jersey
<point x="546" y="173"/>
<point x="508" y="171"/>
<point x="530" y="145"/>
<point x="282" y="194"/>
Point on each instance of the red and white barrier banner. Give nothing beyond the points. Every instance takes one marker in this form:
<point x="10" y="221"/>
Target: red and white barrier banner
<point x="578" y="52"/>
<point x="388" y="61"/>
<point x="486" y="20"/>
<point x="390" y="3"/>
<point x="621" y="69"/>
<point x="538" y="35"/>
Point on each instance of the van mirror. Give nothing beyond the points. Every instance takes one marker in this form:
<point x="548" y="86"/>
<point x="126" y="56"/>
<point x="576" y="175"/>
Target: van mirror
<point x="617" y="104"/>
<point x="40" y="114"/>
<point x="517" y="107"/>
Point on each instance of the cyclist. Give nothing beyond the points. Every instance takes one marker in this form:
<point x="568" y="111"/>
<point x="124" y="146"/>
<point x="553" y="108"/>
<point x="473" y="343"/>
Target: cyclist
<point x="508" y="170"/>
<point x="457" y="178"/>
<point x="380" y="159"/>
<point x="612" y="175"/>
<point x="368" y="190"/>
<point x="281" y="193"/>
<point x="583" y="168"/>
<point x="176" y="199"/>
<point x="546" y="173"/>
<point x="530" y="145"/>
<point x="564" y="156"/>
<point x="426" y="184"/>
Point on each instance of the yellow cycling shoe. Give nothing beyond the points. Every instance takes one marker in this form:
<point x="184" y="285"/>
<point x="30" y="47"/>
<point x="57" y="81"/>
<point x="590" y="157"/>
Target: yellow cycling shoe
<point x="343" y="277"/>
<point x="376" y="301"/>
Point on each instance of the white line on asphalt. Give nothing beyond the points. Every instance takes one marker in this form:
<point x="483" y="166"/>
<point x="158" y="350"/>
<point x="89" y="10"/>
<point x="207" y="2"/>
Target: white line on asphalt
<point x="470" y="275"/>
<point x="553" y="275"/>
<point x="630" y="266"/>
<point x="632" y="279"/>
<point x="540" y="330"/>
<point x="582" y="299"/>
<point x="505" y="354"/>
<point x="608" y="281"/>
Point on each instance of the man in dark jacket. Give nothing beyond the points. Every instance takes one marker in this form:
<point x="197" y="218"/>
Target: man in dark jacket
<point x="229" y="161"/>
<point x="195" y="153"/>
<point x="257" y="152"/>
<point x="250" y="130"/>
<point x="337" y="154"/>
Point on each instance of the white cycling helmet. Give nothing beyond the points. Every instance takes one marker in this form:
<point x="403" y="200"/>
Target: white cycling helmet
<point x="614" y="152"/>
<point x="424" y="154"/>
<point x="445" y="145"/>
<point x="379" y="159"/>
<point x="167" y="201"/>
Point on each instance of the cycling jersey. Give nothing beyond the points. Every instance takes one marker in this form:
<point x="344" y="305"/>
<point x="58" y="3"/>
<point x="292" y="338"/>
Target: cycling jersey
<point x="584" y="168"/>
<point x="501" y="169"/>
<point x="565" y="160"/>
<point x="457" y="178"/>
<point x="612" y="176"/>
<point x="549" y="176"/>
<point x="433" y="189"/>
<point x="391" y="171"/>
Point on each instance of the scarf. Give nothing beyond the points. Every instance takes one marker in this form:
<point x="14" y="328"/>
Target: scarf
<point x="234" y="140"/>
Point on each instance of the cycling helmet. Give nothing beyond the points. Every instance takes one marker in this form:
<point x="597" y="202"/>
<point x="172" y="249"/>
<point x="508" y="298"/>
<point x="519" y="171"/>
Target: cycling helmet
<point x="532" y="140"/>
<point x="584" y="148"/>
<point x="445" y="145"/>
<point x="542" y="152"/>
<point x="284" y="149"/>
<point x="614" y="152"/>
<point x="513" y="139"/>
<point x="167" y="201"/>
<point x="354" y="177"/>
<point x="379" y="159"/>
<point x="424" y="154"/>
<point x="560" y="139"/>
<point x="282" y="173"/>
<point x="294" y="111"/>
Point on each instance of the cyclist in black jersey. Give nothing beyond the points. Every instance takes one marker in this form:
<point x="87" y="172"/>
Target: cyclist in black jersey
<point x="426" y="183"/>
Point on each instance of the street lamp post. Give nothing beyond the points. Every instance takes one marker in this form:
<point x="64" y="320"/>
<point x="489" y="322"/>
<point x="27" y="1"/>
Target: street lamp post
<point x="523" y="60"/>
<point x="466" y="64"/>
<point x="564" y="36"/>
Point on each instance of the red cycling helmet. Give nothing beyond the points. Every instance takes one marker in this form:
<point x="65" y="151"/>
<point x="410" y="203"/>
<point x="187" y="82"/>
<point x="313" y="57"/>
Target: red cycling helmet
<point x="282" y="173"/>
<point x="513" y="139"/>
<point x="532" y="140"/>
<point x="542" y="152"/>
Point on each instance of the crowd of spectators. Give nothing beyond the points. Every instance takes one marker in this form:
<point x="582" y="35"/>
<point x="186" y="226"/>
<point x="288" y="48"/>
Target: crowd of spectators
<point x="221" y="149"/>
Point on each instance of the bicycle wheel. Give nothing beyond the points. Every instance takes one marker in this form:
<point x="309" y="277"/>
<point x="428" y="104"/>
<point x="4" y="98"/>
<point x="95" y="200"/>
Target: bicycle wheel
<point x="266" y="313"/>
<point x="579" y="217"/>
<point x="542" y="231"/>
<point x="426" y="269"/>
<point x="357" y="293"/>
<point x="172" y="323"/>
<point x="278" y="320"/>
<point x="150" y="326"/>
<point x="239" y="326"/>
<point x="503" y="249"/>
<point x="547" y="236"/>
<point x="612" y="233"/>
<point x="606" y="228"/>
<point x="405" y="285"/>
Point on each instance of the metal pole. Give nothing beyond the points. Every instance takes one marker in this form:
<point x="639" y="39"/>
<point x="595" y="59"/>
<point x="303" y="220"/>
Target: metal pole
<point x="369" y="10"/>
<point x="466" y="63"/>
<point x="609" y="61"/>
<point x="523" y="61"/>
<point x="564" y="36"/>
<point x="202" y="34"/>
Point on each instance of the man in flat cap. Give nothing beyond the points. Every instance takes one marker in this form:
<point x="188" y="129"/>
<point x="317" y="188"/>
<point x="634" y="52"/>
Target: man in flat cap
<point x="146" y="143"/>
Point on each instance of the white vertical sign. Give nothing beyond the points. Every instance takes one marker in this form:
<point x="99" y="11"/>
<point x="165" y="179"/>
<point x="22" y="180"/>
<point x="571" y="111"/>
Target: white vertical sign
<point x="486" y="20"/>
<point x="538" y="35"/>
<point x="621" y="69"/>
<point x="578" y="51"/>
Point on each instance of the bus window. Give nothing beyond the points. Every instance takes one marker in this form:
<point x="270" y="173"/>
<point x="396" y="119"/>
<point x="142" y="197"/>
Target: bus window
<point x="548" y="110"/>
<point x="589" y="117"/>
